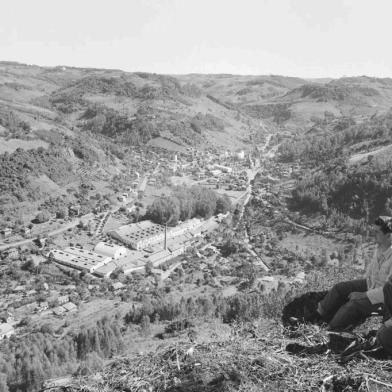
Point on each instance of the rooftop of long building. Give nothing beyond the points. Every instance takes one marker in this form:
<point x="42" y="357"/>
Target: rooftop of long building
<point x="140" y="230"/>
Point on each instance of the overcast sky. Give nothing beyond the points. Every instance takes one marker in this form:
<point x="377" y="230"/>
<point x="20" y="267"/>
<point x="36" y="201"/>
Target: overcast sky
<point x="306" y="38"/>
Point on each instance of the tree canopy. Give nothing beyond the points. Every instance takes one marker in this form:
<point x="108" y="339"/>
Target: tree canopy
<point x="186" y="203"/>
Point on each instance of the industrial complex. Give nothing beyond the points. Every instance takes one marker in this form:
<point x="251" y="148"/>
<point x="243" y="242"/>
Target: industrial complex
<point x="131" y="247"/>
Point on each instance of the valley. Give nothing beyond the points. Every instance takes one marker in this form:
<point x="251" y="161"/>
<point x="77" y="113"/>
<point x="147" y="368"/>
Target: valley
<point x="145" y="214"/>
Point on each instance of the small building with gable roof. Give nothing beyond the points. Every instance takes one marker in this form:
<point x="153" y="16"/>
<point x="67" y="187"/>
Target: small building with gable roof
<point x="6" y="330"/>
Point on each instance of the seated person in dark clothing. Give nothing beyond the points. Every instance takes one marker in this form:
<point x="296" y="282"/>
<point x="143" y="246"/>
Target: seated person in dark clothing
<point x="348" y="303"/>
<point x="384" y="334"/>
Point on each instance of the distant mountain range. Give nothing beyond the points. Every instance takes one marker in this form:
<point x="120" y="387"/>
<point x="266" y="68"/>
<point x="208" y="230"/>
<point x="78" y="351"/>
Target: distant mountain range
<point x="188" y="110"/>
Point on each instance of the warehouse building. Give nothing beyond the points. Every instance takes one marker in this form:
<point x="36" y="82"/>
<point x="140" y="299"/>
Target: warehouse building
<point x="134" y="260"/>
<point x="110" y="250"/>
<point x="139" y="235"/>
<point x="81" y="259"/>
<point x="146" y="233"/>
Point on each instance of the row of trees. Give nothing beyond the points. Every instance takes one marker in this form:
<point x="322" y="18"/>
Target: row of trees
<point x="240" y="307"/>
<point x="186" y="203"/>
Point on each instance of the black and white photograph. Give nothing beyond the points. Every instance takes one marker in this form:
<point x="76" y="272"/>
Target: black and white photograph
<point x="195" y="196"/>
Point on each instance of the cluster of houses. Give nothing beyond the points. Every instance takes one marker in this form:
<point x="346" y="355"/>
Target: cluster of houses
<point x="11" y="317"/>
<point x="64" y="306"/>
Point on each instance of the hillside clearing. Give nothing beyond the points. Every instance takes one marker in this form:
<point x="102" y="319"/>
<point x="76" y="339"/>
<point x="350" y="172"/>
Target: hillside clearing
<point x="11" y="145"/>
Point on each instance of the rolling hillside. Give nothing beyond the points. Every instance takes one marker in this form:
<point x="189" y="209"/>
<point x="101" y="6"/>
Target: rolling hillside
<point x="148" y="105"/>
<point x="59" y="123"/>
<point x="302" y="107"/>
<point x="61" y="127"/>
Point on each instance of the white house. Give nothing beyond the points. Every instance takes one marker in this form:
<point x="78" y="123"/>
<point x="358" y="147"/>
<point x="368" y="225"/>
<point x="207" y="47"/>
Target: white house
<point x="70" y="307"/>
<point x="240" y="154"/>
<point x="6" y="330"/>
<point x="63" y="299"/>
<point x="117" y="286"/>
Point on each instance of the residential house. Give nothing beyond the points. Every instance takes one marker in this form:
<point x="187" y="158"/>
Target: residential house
<point x="117" y="286"/>
<point x="43" y="306"/>
<point x="74" y="210"/>
<point x="26" y="231"/>
<point x="12" y="254"/>
<point x="70" y="307"/>
<point x="62" y="299"/>
<point x="59" y="310"/>
<point x="6" y="232"/>
<point x="6" y="330"/>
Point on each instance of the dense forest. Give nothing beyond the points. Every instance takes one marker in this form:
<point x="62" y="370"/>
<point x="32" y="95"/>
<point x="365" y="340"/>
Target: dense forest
<point x="185" y="203"/>
<point x="135" y="131"/>
<point x="27" y="360"/>
<point x="16" y="169"/>
<point x="333" y="185"/>
<point x="344" y="136"/>
<point x="361" y="191"/>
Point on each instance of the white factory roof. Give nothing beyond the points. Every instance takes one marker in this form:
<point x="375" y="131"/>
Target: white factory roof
<point x="139" y="231"/>
<point x="85" y="253"/>
<point x="133" y="260"/>
<point x="146" y="229"/>
<point x="110" y="250"/>
<point x="80" y="258"/>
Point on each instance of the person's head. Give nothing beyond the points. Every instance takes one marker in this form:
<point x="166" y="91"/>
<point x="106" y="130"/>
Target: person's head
<point x="383" y="230"/>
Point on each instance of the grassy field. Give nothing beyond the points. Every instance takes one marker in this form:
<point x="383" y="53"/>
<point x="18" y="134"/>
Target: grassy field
<point x="380" y="154"/>
<point x="11" y="145"/>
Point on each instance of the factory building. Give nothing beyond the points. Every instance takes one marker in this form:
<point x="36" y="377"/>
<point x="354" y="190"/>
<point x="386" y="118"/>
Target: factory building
<point x="110" y="250"/>
<point x="81" y="259"/>
<point x="139" y="235"/>
<point x="187" y="226"/>
<point x="144" y="234"/>
<point x="134" y="260"/>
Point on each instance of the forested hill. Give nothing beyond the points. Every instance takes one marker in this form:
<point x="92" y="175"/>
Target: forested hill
<point x="131" y="108"/>
<point x="58" y="123"/>
<point x="198" y="110"/>
<point x="349" y="172"/>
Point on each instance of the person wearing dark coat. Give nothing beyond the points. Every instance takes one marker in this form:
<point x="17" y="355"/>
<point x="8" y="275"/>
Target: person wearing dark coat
<point x="349" y="303"/>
